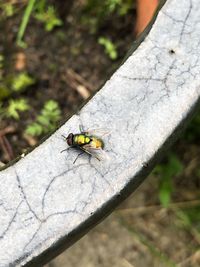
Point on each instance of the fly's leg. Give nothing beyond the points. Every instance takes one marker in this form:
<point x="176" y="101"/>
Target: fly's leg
<point x="64" y="137"/>
<point x="97" y="158"/>
<point x="78" y="156"/>
<point x="66" y="149"/>
<point x="82" y="130"/>
<point x="89" y="153"/>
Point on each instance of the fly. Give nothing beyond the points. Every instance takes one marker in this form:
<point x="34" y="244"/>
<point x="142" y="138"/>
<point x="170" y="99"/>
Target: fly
<point x="88" y="142"/>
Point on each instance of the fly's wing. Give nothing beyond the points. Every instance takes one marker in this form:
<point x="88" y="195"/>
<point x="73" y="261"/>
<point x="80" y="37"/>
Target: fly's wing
<point x="96" y="132"/>
<point x="100" y="132"/>
<point x="98" y="153"/>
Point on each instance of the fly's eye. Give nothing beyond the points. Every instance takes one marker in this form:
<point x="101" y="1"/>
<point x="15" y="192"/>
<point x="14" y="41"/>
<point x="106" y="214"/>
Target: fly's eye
<point x="70" y="139"/>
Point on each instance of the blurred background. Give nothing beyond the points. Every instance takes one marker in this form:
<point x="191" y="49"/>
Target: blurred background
<point x="53" y="56"/>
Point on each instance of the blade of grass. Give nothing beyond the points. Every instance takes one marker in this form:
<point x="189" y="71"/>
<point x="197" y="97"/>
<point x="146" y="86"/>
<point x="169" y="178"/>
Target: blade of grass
<point x="152" y="249"/>
<point x="24" y="23"/>
<point x="146" y="209"/>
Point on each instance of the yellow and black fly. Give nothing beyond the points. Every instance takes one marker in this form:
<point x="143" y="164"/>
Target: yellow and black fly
<point x="88" y="142"/>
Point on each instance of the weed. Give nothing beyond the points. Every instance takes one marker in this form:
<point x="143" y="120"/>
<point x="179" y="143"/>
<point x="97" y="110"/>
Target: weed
<point x="42" y="12"/>
<point x="166" y="172"/>
<point x="1" y="61"/>
<point x="24" y="23"/>
<point x="188" y="219"/>
<point x="8" y="9"/>
<point x="16" y="106"/>
<point x="15" y="83"/>
<point x="155" y="251"/>
<point x="22" y="81"/>
<point x="96" y="12"/>
<point x="10" y="85"/>
<point x="110" y="48"/>
<point x="49" y="18"/>
<point x="46" y="121"/>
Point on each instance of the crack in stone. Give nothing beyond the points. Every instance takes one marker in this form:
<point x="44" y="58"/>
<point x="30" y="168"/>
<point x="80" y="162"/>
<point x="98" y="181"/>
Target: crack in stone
<point x="140" y="78"/>
<point x="54" y="179"/>
<point x="62" y="174"/>
<point x="24" y="196"/>
<point x="10" y="222"/>
<point x="172" y="18"/>
<point x="185" y="20"/>
<point x="47" y="218"/>
<point x="33" y="236"/>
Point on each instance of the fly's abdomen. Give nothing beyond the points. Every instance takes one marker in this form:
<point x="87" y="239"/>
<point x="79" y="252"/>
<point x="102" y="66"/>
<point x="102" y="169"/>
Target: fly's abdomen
<point x="97" y="143"/>
<point x="81" y="139"/>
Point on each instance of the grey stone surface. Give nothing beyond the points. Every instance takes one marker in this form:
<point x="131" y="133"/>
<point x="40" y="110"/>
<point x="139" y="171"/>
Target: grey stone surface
<point x="46" y="201"/>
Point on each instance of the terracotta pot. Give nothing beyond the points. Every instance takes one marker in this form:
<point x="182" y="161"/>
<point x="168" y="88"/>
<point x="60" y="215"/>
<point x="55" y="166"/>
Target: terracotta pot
<point x="145" y="11"/>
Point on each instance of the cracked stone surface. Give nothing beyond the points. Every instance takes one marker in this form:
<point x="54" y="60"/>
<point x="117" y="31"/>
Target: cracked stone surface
<point x="46" y="201"/>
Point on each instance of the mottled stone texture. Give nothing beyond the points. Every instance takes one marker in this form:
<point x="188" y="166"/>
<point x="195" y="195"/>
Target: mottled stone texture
<point x="46" y="201"/>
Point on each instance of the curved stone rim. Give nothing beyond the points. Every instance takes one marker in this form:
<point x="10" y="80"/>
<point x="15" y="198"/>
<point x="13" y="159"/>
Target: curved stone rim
<point x="158" y="94"/>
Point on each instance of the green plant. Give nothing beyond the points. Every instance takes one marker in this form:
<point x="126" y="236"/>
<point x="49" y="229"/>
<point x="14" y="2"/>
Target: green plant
<point x="22" y="81"/>
<point x="166" y="172"/>
<point x="110" y="48"/>
<point x="112" y="4"/>
<point x="16" y="106"/>
<point x="4" y="91"/>
<point x="1" y="61"/>
<point x="49" y="18"/>
<point x="120" y="6"/>
<point x="188" y="218"/>
<point x="8" y="9"/>
<point x="95" y="12"/>
<point x="138" y="235"/>
<point x="24" y="23"/>
<point x="125" y="6"/>
<point x="46" y="121"/>
<point x="198" y="172"/>
<point x="1" y="109"/>
<point x="15" y="83"/>
<point x="46" y="15"/>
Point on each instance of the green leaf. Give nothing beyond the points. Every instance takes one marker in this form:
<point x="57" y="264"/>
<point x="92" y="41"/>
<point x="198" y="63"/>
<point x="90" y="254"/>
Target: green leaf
<point x="16" y="106"/>
<point x="1" y="61"/>
<point x="34" y="129"/>
<point x="166" y="172"/>
<point x="50" y="105"/>
<point x="110" y="48"/>
<point x="165" y="191"/>
<point x="22" y="81"/>
<point x="4" y="92"/>
<point x="47" y="120"/>
<point x="8" y="9"/>
<point x="24" y="23"/>
<point x="43" y="120"/>
<point x="49" y="18"/>
<point x="113" y="4"/>
<point x="189" y="217"/>
<point x="95" y="13"/>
